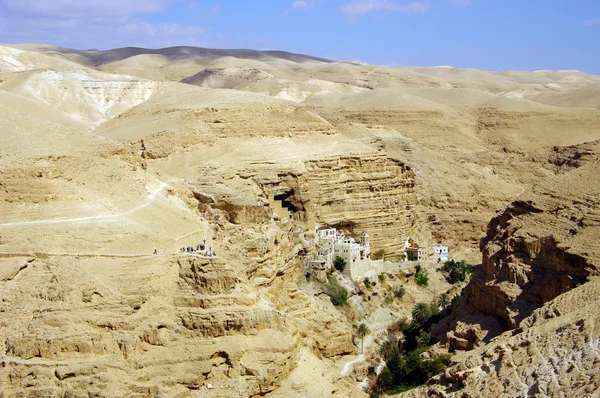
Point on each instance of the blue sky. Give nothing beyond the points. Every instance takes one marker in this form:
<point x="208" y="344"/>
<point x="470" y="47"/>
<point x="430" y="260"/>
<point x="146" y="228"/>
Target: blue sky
<point x="482" y="34"/>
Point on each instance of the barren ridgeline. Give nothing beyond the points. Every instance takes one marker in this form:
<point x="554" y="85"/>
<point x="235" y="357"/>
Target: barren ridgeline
<point x="112" y="162"/>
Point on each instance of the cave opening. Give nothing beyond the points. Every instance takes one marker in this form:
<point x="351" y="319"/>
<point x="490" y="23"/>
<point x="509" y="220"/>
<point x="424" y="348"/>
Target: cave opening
<point x="288" y="200"/>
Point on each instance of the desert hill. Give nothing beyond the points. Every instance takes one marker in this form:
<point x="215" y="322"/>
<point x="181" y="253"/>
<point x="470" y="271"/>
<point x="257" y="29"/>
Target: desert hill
<point x="109" y="155"/>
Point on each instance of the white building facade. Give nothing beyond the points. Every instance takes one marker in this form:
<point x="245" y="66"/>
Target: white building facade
<point x="441" y="252"/>
<point x="357" y="255"/>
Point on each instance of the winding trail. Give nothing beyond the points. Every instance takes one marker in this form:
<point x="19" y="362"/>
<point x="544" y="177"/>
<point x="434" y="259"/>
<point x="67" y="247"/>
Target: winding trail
<point x="107" y="217"/>
<point x="349" y="365"/>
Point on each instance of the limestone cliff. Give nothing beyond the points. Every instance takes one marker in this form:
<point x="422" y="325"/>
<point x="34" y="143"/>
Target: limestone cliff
<point x="539" y="282"/>
<point x="372" y="193"/>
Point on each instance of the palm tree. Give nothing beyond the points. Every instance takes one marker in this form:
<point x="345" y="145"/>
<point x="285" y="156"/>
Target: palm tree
<point x="421" y="313"/>
<point x="362" y="332"/>
<point x="444" y="300"/>
<point x="387" y="348"/>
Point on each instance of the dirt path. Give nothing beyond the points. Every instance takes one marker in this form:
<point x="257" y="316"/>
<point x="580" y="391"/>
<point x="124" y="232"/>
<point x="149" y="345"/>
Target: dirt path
<point x="104" y="217"/>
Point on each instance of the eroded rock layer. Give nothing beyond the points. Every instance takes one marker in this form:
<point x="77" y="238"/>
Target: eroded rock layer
<point x="371" y="193"/>
<point x="539" y="282"/>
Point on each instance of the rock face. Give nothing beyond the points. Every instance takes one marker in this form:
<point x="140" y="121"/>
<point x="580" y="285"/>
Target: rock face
<point x="207" y="330"/>
<point x="371" y="193"/>
<point x="540" y="278"/>
<point x="87" y="96"/>
<point x="556" y="352"/>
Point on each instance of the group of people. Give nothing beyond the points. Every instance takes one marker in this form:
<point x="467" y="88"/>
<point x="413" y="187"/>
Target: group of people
<point x="200" y="248"/>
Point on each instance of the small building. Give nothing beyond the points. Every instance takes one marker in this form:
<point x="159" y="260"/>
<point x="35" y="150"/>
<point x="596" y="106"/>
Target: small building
<point x="412" y="250"/>
<point x="318" y="269"/>
<point x="441" y="252"/>
<point x="333" y="243"/>
<point x="347" y="249"/>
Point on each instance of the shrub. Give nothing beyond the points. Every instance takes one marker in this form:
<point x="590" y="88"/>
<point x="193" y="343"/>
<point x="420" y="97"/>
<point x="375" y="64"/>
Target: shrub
<point x="337" y="294"/>
<point x="381" y="277"/>
<point x="386" y="378"/>
<point x="424" y="339"/>
<point x="339" y="264"/>
<point x="400" y="292"/>
<point x="436" y="365"/>
<point x="367" y="284"/>
<point x="422" y="279"/>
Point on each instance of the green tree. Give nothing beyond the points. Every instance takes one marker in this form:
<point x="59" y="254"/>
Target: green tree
<point x="361" y="332"/>
<point x="339" y="264"/>
<point x="443" y="300"/>
<point x="387" y="348"/>
<point x="421" y="313"/>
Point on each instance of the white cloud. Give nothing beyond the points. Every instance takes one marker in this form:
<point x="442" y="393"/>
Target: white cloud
<point x="303" y="4"/>
<point x="359" y="7"/>
<point x="96" y="24"/>
<point x="590" y="22"/>
<point x="83" y="8"/>
<point x="103" y="33"/>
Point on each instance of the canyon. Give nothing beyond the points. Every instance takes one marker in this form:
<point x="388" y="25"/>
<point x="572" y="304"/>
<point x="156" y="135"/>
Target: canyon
<point x="109" y="157"/>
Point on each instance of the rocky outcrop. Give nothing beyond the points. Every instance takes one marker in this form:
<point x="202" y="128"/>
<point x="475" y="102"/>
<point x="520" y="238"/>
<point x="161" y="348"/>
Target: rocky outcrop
<point x="538" y="283"/>
<point x="190" y="323"/>
<point x="372" y="193"/>
<point x="554" y="353"/>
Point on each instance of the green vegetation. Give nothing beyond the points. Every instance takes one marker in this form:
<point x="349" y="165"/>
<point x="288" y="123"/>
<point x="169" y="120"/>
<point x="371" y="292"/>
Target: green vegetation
<point x="381" y="277"/>
<point x="337" y="294"/>
<point x="421" y="313"/>
<point x="361" y="332"/>
<point x="421" y="279"/>
<point x="339" y="264"/>
<point x="443" y="300"/>
<point x="400" y="292"/>
<point x="367" y="283"/>
<point x="458" y="271"/>
<point x="405" y="369"/>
